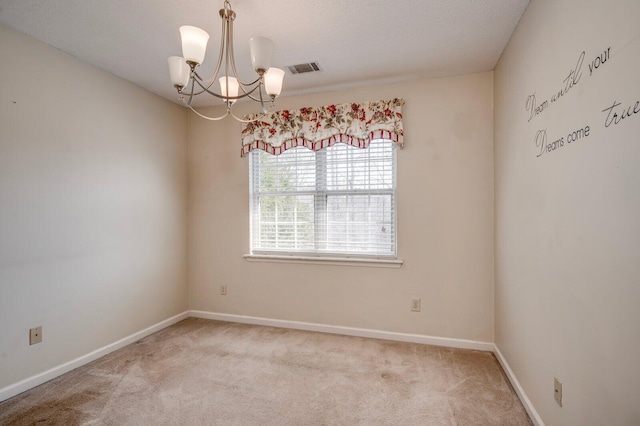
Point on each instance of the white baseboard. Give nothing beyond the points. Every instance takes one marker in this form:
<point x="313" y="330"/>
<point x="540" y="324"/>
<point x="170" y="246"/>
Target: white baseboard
<point x="535" y="417"/>
<point x="33" y="381"/>
<point x="38" y="379"/>
<point x="348" y="331"/>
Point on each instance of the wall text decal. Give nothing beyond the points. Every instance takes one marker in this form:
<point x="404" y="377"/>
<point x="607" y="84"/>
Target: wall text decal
<point x="599" y="60"/>
<point x="614" y="113"/>
<point x="533" y="107"/>
<point x="572" y="79"/>
<point x="543" y="145"/>
<point x="624" y="113"/>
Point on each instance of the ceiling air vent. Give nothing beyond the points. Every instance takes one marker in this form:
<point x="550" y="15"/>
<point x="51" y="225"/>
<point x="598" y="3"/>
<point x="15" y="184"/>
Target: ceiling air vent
<point x="302" y="68"/>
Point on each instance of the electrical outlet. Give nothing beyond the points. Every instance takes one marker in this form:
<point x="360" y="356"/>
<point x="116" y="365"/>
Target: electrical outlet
<point x="415" y="305"/>
<point x="557" y="391"/>
<point x="35" y="335"/>
<point x="223" y="290"/>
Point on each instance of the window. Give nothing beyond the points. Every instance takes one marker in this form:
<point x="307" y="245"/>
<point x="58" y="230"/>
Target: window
<point x="337" y="201"/>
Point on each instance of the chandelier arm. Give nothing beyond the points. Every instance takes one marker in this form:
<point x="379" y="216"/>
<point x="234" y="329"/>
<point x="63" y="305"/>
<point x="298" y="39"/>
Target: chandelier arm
<point x="181" y="97"/>
<point x="222" y="36"/>
<point x="228" y="52"/>
<point x="209" y="84"/>
<point x="192" y="90"/>
<point x="260" y="99"/>
<point x="253" y="82"/>
<point x="246" y="86"/>
<point x="233" y="59"/>
<point x="211" y="118"/>
<point x="213" y="78"/>
<point x="242" y="120"/>
<point x="233" y="98"/>
<point x="228" y="112"/>
<point x="224" y="98"/>
<point x="198" y="78"/>
<point x="192" y="93"/>
<point x="253" y="98"/>
<point x="264" y="110"/>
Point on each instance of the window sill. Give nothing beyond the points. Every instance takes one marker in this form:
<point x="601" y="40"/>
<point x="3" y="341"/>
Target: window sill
<point x="339" y="261"/>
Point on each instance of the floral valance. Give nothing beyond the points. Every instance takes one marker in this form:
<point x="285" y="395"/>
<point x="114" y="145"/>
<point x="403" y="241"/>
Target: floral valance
<point x="316" y="128"/>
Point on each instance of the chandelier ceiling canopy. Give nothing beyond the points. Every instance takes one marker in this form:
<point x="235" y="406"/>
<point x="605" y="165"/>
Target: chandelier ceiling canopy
<point x="225" y="83"/>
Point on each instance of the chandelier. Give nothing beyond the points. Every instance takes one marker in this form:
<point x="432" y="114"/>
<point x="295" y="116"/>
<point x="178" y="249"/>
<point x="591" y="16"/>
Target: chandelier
<point x="189" y="84"/>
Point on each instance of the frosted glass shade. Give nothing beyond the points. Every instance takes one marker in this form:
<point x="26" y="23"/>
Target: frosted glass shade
<point x="178" y="71"/>
<point x="273" y="79"/>
<point x="194" y="43"/>
<point x="261" y="51"/>
<point x="233" y="87"/>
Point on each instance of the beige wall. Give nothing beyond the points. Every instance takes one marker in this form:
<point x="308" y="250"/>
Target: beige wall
<point x="93" y="213"/>
<point x="92" y="207"/>
<point x="445" y="223"/>
<point x="567" y="222"/>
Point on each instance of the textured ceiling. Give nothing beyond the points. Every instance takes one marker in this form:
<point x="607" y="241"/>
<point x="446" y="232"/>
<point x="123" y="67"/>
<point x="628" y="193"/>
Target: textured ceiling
<point x="356" y="42"/>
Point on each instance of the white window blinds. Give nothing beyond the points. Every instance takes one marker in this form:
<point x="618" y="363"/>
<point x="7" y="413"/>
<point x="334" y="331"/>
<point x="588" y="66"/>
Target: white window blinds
<point x="336" y="201"/>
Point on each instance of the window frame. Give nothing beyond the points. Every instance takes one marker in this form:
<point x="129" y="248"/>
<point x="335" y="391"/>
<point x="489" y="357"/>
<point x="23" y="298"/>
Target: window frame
<point x="321" y="193"/>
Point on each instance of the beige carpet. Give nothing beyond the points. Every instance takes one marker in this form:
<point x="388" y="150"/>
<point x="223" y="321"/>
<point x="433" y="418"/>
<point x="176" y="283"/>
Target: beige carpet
<point x="201" y="372"/>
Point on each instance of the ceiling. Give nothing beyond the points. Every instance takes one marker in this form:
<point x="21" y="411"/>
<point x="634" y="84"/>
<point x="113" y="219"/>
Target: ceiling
<point x="355" y="42"/>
